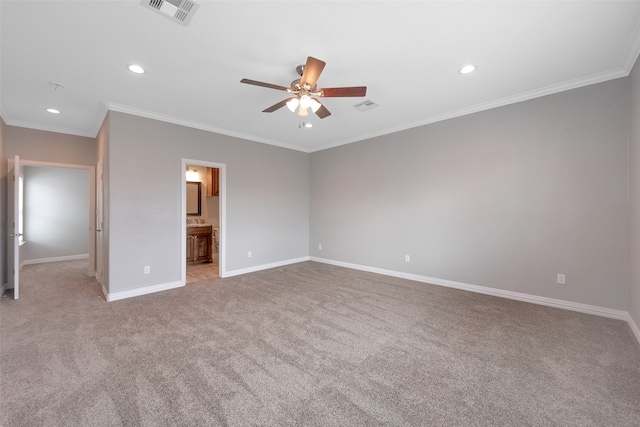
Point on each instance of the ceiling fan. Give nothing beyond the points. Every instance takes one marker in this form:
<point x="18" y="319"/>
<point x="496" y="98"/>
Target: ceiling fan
<point x="305" y="89"/>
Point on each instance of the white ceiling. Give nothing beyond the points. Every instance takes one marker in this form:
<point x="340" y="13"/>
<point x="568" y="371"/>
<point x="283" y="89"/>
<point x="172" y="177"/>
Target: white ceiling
<point x="407" y="53"/>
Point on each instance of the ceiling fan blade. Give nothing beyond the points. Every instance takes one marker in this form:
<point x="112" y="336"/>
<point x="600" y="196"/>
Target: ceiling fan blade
<point x="322" y="112"/>
<point x="312" y="70"/>
<point x="277" y="106"/>
<point x="269" y="85"/>
<point x="334" y="92"/>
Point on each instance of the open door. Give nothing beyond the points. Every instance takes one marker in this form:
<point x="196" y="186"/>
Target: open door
<point x="13" y="226"/>
<point x="99" y="218"/>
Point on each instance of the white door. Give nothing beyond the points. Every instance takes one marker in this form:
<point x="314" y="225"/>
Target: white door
<point x="13" y="226"/>
<point x="99" y="233"/>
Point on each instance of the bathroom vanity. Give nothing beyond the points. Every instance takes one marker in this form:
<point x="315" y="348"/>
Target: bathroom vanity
<point x="199" y="244"/>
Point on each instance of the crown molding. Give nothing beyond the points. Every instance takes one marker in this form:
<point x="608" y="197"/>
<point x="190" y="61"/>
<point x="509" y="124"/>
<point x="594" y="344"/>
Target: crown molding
<point x="39" y="126"/>
<point x="196" y="125"/>
<point x="525" y="96"/>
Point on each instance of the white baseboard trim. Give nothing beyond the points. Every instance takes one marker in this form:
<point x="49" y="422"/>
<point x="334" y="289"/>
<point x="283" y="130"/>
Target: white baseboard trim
<point x="264" y="267"/>
<point x="172" y="285"/>
<point x="534" y="299"/>
<point x="53" y="259"/>
<point x="634" y="327"/>
<point x="141" y="291"/>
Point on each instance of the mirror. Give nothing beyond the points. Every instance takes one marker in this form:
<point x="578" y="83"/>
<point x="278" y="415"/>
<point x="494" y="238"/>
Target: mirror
<point x="193" y="198"/>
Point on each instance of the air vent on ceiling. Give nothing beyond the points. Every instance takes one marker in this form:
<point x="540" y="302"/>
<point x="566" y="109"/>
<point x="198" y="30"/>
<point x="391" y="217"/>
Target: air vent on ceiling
<point x="177" y="10"/>
<point x="366" y="105"/>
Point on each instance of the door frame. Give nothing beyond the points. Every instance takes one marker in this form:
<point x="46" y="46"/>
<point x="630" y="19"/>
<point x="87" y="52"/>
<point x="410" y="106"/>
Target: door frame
<point x="222" y="214"/>
<point x="92" y="203"/>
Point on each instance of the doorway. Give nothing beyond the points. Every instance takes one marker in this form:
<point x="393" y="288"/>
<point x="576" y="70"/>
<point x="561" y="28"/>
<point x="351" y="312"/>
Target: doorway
<point x="203" y="220"/>
<point x="56" y="218"/>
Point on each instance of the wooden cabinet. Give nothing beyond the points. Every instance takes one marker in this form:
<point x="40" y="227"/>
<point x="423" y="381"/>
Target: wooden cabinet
<point x="213" y="182"/>
<point x="199" y="244"/>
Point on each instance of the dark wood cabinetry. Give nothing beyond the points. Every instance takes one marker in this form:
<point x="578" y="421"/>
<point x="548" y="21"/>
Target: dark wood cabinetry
<point x="213" y="182"/>
<point x="199" y="244"/>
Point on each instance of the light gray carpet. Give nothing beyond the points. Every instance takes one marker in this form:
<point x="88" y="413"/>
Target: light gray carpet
<point x="306" y="345"/>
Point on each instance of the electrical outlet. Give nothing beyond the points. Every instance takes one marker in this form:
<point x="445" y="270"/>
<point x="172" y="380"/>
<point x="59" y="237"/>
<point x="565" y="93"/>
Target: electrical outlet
<point x="407" y="258"/>
<point x="147" y="269"/>
<point x="249" y="254"/>
<point x="562" y="280"/>
<point x="319" y="246"/>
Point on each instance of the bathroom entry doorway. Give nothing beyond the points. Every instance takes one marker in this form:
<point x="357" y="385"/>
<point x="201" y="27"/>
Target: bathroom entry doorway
<point x="202" y="213"/>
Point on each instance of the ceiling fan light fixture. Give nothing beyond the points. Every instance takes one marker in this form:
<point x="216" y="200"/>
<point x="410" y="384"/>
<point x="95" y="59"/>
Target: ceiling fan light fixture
<point x="292" y="104"/>
<point x="303" y="112"/>
<point x="315" y="105"/>
<point x="305" y="101"/>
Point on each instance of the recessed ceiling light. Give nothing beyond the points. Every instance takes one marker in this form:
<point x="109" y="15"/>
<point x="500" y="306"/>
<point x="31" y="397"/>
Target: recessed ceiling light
<point x="134" y="68"/>
<point x="53" y="111"/>
<point x="467" y="69"/>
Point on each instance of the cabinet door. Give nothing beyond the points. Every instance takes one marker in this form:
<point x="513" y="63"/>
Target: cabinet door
<point x="213" y="182"/>
<point x="203" y="247"/>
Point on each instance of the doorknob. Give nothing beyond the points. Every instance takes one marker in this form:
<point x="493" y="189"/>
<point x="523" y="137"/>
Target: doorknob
<point x="16" y="235"/>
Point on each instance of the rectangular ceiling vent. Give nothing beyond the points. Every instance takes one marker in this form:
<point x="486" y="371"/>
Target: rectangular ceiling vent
<point x="366" y="105"/>
<point x="177" y="10"/>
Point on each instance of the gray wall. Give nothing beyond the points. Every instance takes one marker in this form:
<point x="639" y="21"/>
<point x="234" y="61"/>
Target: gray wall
<point x="56" y="213"/>
<point x="634" y="158"/>
<point x="52" y="147"/>
<point x="266" y="198"/>
<point x="505" y="198"/>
